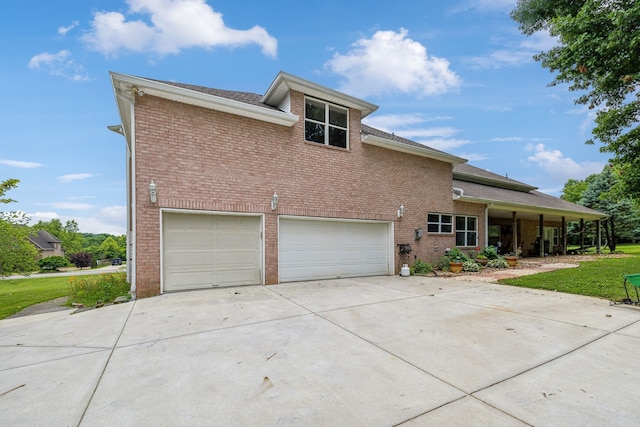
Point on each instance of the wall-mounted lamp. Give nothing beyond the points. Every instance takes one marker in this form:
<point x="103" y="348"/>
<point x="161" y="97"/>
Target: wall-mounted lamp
<point x="274" y="201"/>
<point x="401" y="211"/>
<point x="152" y="192"/>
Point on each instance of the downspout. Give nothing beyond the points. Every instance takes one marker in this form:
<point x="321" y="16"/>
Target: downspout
<point x="486" y="224"/>
<point x="132" y="196"/>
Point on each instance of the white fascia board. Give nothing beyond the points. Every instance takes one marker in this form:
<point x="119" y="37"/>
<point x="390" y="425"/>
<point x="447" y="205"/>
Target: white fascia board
<point x="520" y="207"/>
<point x="411" y="149"/>
<point x="285" y="82"/>
<point x="126" y="83"/>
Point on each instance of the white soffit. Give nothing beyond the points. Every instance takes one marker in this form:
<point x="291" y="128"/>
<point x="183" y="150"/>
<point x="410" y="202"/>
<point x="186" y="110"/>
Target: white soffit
<point x="125" y="85"/>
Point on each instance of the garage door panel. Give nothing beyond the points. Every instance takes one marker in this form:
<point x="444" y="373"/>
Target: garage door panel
<point x="323" y="249"/>
<point x="203" y="251"/>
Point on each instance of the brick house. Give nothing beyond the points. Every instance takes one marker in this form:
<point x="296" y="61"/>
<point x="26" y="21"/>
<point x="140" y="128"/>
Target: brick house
<point x="232" y="188"/>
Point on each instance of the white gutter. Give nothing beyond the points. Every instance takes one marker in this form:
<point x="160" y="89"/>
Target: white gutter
<point x="412" y="149"/>
<point x="205" y="100"/>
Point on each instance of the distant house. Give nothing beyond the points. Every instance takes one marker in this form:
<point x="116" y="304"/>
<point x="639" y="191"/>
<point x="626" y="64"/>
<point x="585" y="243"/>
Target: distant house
<point x="47" y="244"/>
<point x="228" y="188"/>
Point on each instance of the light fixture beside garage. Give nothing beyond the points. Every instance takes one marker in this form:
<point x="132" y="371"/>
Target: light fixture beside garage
<point x="274" y="201"/>
<point x="152" y="192"/>
<point x="401" y="211"/>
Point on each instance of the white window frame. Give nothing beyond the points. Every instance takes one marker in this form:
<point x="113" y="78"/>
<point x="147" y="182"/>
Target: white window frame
<point x="466" y="231"/>
<point x="440" y="223"/>
<point x="326" y="123"/>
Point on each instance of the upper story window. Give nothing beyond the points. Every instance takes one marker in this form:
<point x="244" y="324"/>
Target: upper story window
<point x="326" y="123"/>
<point x="439" y="223"/>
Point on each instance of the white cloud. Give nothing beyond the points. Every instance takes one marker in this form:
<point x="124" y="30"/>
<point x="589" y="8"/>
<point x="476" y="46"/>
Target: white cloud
<point x="64" y="30"/>
<point x="42" y="216"/>
<point x="59" y="64"/>
<point x="391" y="62"/>
<point x="560" y="167"/>
<point x="409" y="126"/>
<point x="71" y="205"/>
<point x="507" y="139"/>
<point x="74" y="177"/>
<point x="474" y="157"/>
<point x="111" y="220"/>
<point x="20" y="164"/>
<point x="173" y="25"/>
<point x="395" y="121"/>
<point x="514" y="55"/>
<point x="486" y="5"/>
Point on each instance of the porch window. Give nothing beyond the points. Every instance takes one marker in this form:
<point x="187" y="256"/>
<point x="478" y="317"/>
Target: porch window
<point x="551" y="234"/>
<point x="466" y="230"/>
<point x="439" y="223"/>
<point x="325" y="123"/>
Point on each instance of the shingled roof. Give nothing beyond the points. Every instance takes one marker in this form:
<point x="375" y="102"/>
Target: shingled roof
<point x="43" y="240"/>
<point x="481" y="186"/>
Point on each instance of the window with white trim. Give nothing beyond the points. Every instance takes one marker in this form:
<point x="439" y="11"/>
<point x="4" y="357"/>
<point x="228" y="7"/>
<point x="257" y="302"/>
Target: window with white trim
<point x="326" y="123"/>
<point x="439" y="223"/>
<point x="466" y="230"/>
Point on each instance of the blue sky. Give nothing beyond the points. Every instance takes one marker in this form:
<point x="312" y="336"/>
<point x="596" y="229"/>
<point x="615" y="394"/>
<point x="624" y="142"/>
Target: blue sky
<point x="455" y="75"/>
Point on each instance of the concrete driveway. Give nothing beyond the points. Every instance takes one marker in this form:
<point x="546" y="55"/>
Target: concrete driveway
<point x="376" y="351"/>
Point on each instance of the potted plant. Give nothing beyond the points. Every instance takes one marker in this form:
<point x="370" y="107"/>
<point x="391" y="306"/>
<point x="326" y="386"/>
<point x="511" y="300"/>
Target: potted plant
<point x="456" y="258"/>
<point x="512" y="260"/>
<point x="482" y="259"/>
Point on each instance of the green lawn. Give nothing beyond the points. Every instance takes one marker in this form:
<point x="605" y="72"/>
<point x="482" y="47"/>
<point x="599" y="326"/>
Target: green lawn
<point x="602" y="278"/>
<point x="17" y="294"/>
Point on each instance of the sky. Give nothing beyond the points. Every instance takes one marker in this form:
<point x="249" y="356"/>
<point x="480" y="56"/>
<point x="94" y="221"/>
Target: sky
<point x="455" y="75"/>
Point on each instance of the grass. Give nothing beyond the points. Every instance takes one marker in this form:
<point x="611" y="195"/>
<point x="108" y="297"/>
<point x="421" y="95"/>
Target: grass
<point x="18" y="294"/>
<point x="602" y="278"/>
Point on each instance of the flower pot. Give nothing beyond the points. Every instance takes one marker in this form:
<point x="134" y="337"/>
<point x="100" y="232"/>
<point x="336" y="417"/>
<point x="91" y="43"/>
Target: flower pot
<point x="455" y="267"/>
<point x="482" y="261"/>
<point x="511" y="260"/>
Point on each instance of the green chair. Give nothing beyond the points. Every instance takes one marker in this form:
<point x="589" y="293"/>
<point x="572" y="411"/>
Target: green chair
<point x="634" y="280"/>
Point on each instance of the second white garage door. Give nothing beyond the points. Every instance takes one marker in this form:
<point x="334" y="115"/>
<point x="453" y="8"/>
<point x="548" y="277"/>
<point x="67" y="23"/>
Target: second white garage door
<point x="204" y="251"/>
<point x="325" y="249"/>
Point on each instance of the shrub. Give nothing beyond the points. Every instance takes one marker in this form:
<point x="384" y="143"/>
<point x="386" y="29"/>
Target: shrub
<point x="489" y="252"/>
<point x="497" y="263"/>
<point x="90" y="289"/>
<point x="421" y="267"/>
<point x="53" y="262"/>
<point x="470" y="266"/>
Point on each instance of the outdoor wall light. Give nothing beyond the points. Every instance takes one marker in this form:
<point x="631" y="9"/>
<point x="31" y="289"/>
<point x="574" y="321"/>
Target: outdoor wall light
<point x="274" y="201"/>
<point x="152" y="192"/>
<point x="401" y="211"/>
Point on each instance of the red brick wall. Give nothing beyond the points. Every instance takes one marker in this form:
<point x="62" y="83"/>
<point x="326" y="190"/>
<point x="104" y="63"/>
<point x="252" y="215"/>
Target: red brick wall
<point x="208" y="160"/>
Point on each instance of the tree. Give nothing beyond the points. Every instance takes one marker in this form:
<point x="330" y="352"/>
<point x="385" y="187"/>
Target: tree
<point x="597" y="55"/>
<point x="81" y="259"/>
<point x="17" y="254"/>
<point x="603" y="195"/>
<point x="110" y="249"/>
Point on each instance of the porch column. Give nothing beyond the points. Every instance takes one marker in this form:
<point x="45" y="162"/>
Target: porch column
<point x="515" y="233"/>
<point x="541" y="237"/>
<point x="564" y="236"/>
<point x="582" y="233"/>
<point x="598" y="249"/>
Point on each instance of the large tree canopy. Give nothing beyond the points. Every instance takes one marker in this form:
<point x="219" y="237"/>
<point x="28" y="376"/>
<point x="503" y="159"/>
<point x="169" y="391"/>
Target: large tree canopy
<point x="17" y="254"/>
<point x="598" y="54"/>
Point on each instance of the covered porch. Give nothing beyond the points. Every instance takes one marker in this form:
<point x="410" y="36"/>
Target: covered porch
<point x="527" y="231"/>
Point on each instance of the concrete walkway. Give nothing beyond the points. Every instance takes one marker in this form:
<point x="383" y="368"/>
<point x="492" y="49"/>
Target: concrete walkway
<point x="376" y="351"/>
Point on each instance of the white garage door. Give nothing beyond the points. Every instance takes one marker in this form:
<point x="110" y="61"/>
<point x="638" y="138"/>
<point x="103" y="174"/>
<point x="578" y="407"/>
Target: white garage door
<point x="204" y="251"/>
<point x="322" y="249"/>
